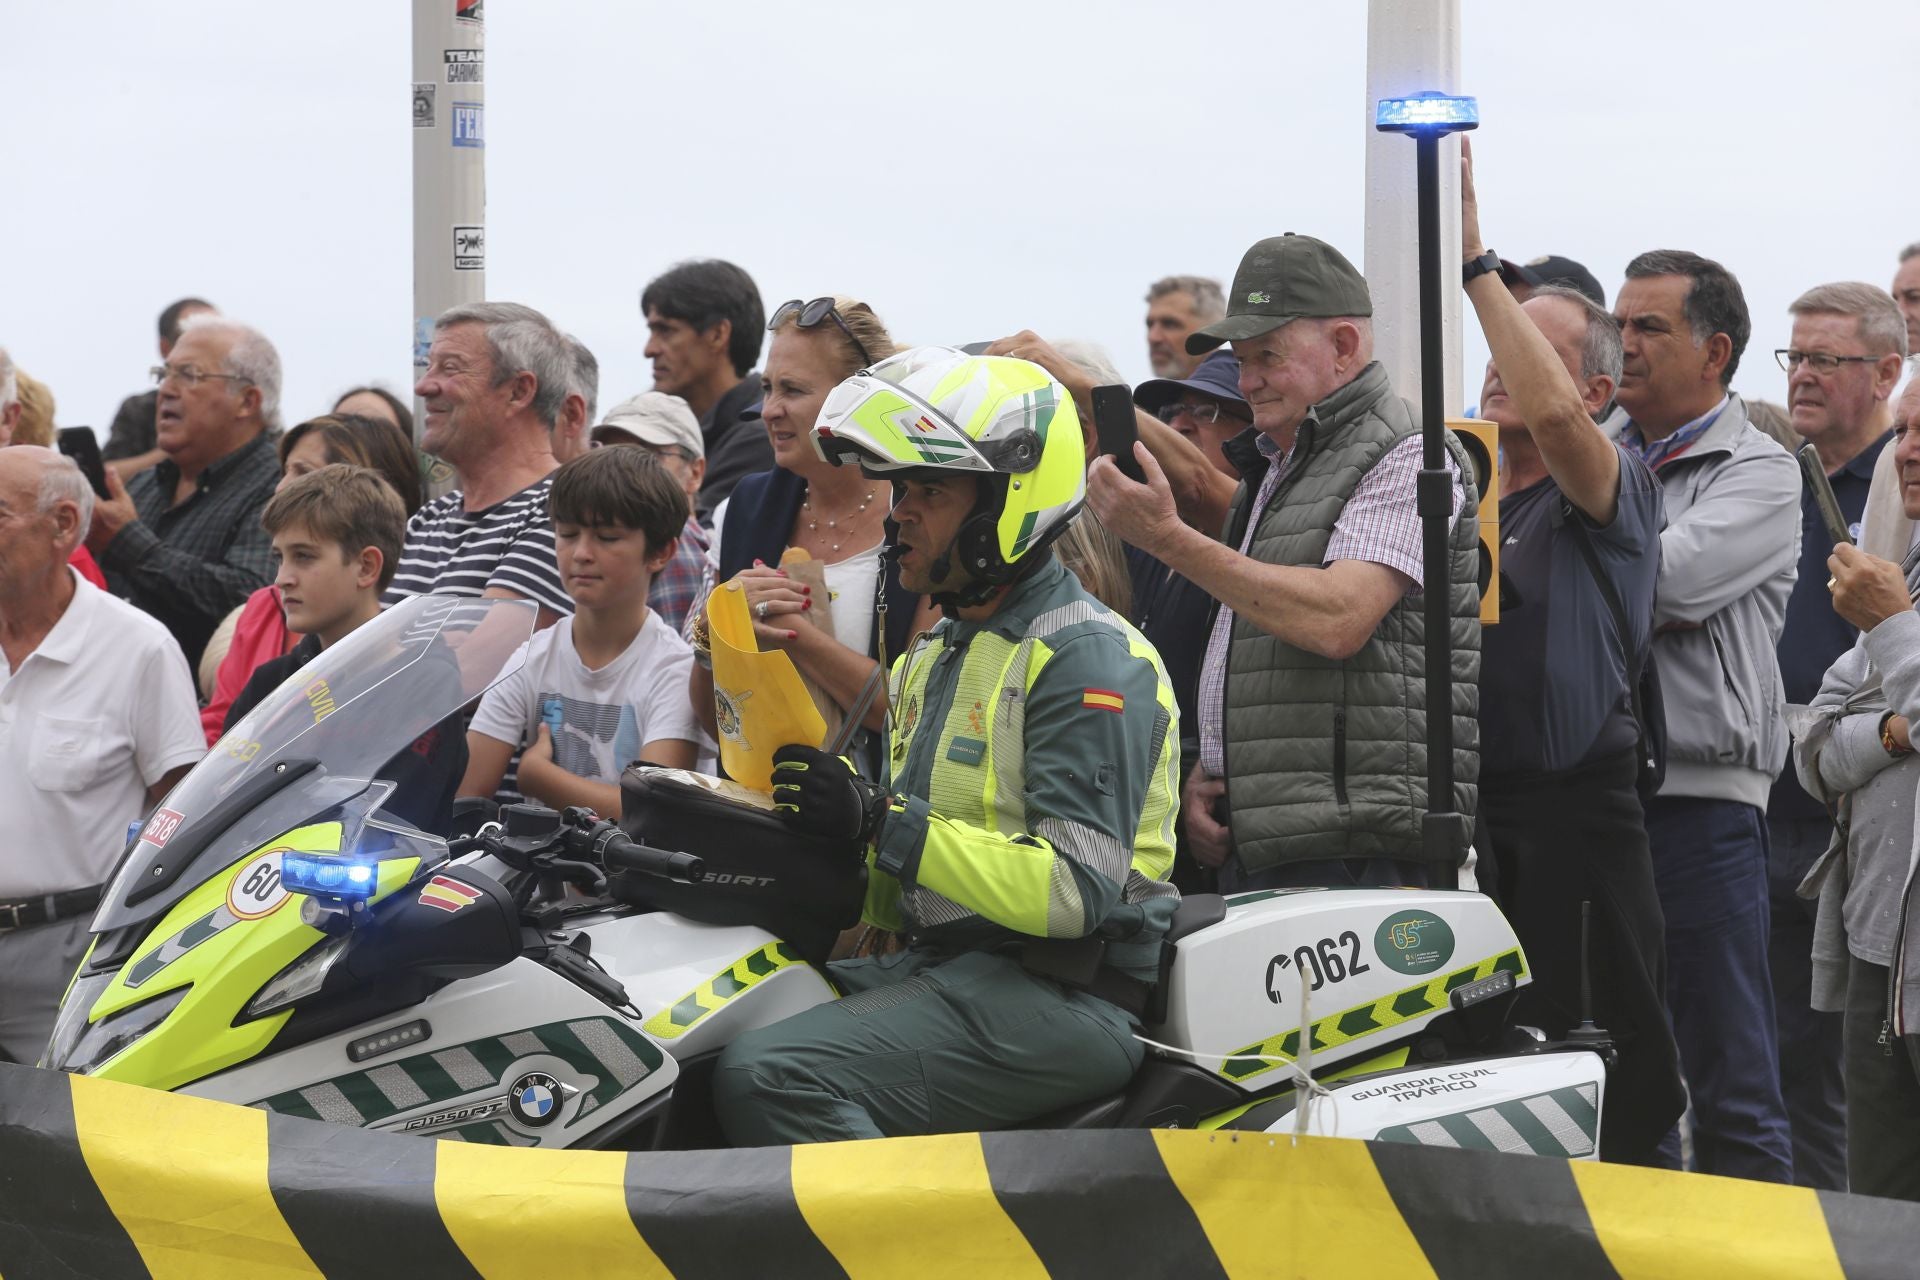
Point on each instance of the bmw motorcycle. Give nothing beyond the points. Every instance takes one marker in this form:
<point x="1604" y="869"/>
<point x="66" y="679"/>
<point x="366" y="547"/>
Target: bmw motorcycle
<point x="273" y="937"/>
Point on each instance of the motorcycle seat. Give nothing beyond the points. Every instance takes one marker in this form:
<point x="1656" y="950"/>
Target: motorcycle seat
<point x="1196" y="911"/>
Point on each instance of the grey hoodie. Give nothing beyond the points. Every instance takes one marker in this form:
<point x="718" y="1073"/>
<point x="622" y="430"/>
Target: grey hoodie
<point x="1728" y="558"/>
<point x="1876" y="840"/>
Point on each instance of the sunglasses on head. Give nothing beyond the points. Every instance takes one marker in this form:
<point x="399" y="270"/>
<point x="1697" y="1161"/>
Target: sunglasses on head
<point x="810" y="314"/>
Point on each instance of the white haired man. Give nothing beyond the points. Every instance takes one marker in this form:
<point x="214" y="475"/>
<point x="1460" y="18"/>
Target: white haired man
<point x="570" y="438"/>
<point x="1176" y="307"/>
<point x="97" y="723"/>
<point x="183" y="540"/>
<point x="1320" y="741"/>
<point x="497" y="379"/>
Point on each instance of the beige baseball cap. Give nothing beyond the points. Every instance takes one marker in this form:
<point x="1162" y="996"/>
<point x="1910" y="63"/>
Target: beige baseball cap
<point x="652" y="417"/>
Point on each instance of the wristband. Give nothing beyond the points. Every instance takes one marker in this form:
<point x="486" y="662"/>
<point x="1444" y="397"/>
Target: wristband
<point x="1887" y="742"/>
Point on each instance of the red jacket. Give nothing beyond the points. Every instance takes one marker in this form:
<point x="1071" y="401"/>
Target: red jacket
<point x="259" y="636"/>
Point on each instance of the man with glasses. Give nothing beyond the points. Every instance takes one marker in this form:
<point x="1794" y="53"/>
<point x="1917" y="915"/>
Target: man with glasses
<point x="664" y="426"/>
<point x="1727" y="559"/>
<point x="1844" y="362"/>
<point x="182" y="540"/>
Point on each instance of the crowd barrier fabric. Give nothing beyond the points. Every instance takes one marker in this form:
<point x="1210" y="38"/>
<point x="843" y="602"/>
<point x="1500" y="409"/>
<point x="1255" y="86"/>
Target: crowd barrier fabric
<point x="109" y="1180"/>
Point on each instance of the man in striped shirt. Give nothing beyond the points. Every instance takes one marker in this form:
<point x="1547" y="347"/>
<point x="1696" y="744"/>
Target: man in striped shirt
<point x="497" y="375"/>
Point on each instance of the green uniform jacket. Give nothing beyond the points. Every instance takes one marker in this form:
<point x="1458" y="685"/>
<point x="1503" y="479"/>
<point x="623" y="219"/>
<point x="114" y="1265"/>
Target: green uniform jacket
<point x="1035" y="763"/>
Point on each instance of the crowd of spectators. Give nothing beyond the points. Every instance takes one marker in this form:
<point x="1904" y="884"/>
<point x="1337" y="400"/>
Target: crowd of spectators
<point x="1674" y="615"/>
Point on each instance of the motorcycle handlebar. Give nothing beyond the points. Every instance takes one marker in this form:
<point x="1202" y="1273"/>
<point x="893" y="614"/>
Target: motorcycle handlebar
<point x="614" y="851"/>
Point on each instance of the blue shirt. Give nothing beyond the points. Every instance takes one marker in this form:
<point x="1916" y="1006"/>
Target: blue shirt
<point x="1672" y="446"/>
<point x="1815" y="635"/>
<point x="1553" y="674"/>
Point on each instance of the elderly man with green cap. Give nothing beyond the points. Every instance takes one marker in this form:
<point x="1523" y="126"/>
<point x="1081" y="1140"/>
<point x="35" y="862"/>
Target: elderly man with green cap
<point x="1312" y="701"/>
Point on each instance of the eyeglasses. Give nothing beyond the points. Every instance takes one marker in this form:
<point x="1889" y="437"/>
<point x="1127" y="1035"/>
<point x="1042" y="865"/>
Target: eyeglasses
<point x="1820" y="360"/>
<point x="811" y="314"/>
<point x="1206" y="414"/>
<point x="188" y="375"/>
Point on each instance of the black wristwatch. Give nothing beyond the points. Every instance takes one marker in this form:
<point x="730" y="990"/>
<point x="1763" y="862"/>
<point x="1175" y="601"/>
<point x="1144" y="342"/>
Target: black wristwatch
<point x="1488" y="261"/>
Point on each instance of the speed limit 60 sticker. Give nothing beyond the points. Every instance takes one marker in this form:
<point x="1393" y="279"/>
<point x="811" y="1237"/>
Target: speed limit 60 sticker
<point x="256" y="889"/>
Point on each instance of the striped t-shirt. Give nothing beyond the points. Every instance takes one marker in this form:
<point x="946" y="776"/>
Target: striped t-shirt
<point x="456" y="552"/>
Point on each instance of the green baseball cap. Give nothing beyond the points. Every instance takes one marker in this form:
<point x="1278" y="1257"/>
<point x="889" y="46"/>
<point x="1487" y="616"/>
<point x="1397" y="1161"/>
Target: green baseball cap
<point x="1284" y="278"/>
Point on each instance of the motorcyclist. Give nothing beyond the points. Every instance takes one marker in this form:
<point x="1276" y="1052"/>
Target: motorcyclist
<point x="1024" y="837"/>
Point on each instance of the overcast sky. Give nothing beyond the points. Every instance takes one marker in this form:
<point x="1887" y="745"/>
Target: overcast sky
<point x="968" y="169"/>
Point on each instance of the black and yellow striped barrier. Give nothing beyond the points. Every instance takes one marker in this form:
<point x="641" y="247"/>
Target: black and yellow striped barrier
<point x="100" y="1179"/>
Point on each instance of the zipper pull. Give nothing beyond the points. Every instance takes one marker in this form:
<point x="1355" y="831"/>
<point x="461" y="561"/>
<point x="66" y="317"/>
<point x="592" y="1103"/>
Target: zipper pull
<point x="1886" y="1037"/>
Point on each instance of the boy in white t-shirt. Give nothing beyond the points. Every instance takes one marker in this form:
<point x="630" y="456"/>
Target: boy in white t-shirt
<point x="608" y="685"/>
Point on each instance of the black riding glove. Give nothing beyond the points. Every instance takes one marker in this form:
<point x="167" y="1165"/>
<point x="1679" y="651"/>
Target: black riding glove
<point x="821" y="795"/>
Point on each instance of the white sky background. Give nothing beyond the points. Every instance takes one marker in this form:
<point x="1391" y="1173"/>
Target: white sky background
<point x="969" y="169"/>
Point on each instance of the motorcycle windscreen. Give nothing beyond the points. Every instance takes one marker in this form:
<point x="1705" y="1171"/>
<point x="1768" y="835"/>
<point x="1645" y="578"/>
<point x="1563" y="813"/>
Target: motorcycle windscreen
<point x="317" y="741"/>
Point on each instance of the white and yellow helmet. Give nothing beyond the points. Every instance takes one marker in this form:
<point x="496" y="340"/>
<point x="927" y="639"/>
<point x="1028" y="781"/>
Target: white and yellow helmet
<point x="935" y="408"/>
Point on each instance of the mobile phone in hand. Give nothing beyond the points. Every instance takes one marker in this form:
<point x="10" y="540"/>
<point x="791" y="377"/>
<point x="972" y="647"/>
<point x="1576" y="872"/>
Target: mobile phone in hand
<point x="80" y="444"/>
<point x="1113" y="423"/>
<point x="1815" y="473"/>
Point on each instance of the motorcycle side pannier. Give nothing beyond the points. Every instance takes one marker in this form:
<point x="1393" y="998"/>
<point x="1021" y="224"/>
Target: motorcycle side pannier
<point x="757" y="871"/>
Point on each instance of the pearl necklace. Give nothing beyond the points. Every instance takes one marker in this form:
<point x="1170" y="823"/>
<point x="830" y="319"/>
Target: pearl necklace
<point x="806" y="505"/>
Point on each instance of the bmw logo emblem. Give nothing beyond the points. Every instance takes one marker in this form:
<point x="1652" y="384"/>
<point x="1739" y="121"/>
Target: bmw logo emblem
<point x="535" y="1099"/>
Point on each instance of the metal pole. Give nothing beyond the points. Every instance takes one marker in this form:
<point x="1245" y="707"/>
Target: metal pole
<point x="1441" y="834"/>
<point x="449" y="166"/>
<point x="1412" y="46"/>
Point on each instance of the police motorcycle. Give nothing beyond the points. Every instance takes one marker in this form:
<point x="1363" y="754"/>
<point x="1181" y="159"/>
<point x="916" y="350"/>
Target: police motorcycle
<point x="274" y="938"/>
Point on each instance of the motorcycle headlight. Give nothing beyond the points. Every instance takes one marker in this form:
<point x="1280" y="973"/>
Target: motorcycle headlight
<point x="298" y="980"/>
<point x="72" y="1022"/>
<point x="97" y="1044"/>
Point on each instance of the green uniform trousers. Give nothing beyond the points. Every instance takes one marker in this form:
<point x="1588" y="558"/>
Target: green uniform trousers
<point x="922" y="1043"/>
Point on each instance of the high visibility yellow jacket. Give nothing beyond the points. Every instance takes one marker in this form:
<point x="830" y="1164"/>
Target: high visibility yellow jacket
<point x="1035" y="765"/>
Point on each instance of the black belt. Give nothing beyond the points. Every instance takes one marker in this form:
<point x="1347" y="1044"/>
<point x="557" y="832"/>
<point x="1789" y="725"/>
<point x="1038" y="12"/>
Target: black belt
<point x="23" y="913"/>
<point x="1078" y="963"/>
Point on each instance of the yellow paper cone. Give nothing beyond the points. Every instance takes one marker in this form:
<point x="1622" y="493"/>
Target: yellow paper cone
<point x="759" y="701"/>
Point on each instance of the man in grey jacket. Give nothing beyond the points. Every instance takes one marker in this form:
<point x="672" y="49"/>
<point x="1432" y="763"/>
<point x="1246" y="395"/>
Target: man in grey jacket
<point x="1857" y="753"/>
<point x="1728" y="556"/>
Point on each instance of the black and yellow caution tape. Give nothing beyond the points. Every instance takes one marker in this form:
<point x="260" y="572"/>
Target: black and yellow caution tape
<point x="103" y="1179"/>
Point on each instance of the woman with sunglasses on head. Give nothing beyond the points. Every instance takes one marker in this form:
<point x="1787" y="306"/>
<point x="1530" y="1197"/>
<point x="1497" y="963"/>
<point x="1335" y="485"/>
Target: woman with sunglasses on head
<point x="259" y="627"/>
<point x="837" y="515"/>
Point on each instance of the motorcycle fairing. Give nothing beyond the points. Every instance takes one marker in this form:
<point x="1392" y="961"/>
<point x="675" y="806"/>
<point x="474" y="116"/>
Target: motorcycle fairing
<point x="223" y="941"/>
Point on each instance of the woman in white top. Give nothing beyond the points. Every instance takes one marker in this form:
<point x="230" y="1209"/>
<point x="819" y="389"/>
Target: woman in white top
<point x="835" y="514"/>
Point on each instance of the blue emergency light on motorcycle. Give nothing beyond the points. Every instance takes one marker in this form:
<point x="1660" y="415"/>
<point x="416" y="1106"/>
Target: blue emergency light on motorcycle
<point x="325" y="875"/>
<point x="1427" y="113"/>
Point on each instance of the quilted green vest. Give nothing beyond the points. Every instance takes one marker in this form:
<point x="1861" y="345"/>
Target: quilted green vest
<point x="1327" y="758"/>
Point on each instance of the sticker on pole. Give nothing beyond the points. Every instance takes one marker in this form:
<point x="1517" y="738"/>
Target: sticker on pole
<point x="423" y="117"/>
<point x="1413" y="942"/>
<point x="468" y="11"/>
<point x="256" y="889"/>
<point x="469" y="248"/>
<point x="469" y="125"/>
<point x="465" y="66"/>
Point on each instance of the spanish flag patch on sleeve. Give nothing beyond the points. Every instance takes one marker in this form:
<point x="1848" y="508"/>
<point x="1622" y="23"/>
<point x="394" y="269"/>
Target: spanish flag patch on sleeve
<point x="1104" y="699"/>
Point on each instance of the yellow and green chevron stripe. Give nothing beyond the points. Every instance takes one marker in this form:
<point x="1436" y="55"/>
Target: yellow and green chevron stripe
<point x="1348" y="1025"/>
<point x="684" y="1014"/>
